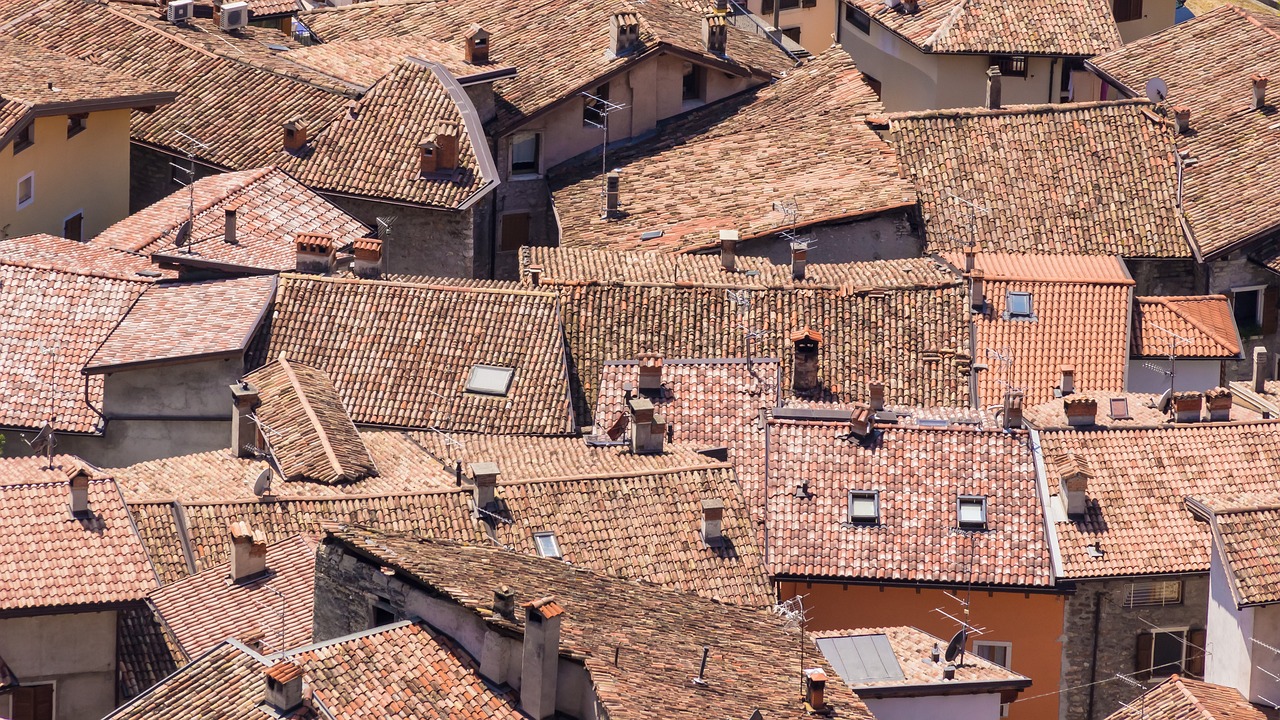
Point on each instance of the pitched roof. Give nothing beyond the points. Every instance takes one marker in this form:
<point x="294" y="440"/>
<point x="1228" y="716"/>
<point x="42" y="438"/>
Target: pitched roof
<point x="728" y="166"/>
<point x="915" y="539"/>
<point x="1085" y="178"/>
<point x="272" y="613"/>
<point x="65" y="560"/>
<point x="146" y="652"/>
<point x="1207" y="62"/>
<point x="361" y="62"/>
<point x="1138" y="410"/>
<point x="1078" y="27"/>
<point x="1206" y="321"/>
<point x="54" y="312"/>
<point x="911" y="649"/>
<point x="1181" y="698"/>
<point x="309" y="433"/>
<point x="665" y="630"/>
<point x="185" y="322"/>
<point x="1135" y="513"/>
<point x="400" y="353"/>
<point x="1245" y="543"/>
<point x="272" y="208"/>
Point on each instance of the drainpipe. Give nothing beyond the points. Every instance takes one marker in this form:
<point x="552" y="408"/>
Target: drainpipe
<point x="1093" y="665"/>
<point x="1053" y="87"/>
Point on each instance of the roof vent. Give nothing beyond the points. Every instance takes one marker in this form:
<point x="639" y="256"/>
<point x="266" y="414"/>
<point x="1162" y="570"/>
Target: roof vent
<point x="860" y="419"/>
<point x="625" y="32"/>
<point x="229" y="228"/>
<point x="804" y="372"/>
<point x="485" y="478"/>
<point x="650" y="373"/>
<point x="648" y="428"/>
<point x="993" y="80"/>
<point x="1073" y="482"/>
<point x="977" y="298"/>
<point x="611" y="184"/>
<point x="1182" y="119"/>
<point x="877" y="396"/>
<point x="368" y="261"/>
<point x="439" y="152"/>
<point x="1067" y="381"/>
<point x="477" y="50"/>
<point x="504" y="602"/>
<point x="1259" y="91"/>
<point x="284" y="686"/>
<point x="815" y="686"/>
<point x="1080" y="410"/>
<point x="317" y="253"/>
<point x="799" y="258"/>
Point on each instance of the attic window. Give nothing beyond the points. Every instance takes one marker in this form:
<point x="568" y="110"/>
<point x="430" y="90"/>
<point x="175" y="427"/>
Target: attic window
<point x="1120" y="409"/>
<point x="1011" y="65"/>
<point x="1019" y="304"/>
<point x="1156" y="593"/>
<point x="864" y="507"/>
<point x="25" y="139"/>
<point x="490" y="380"/>
<point x="76" y="124"/>
<point x="971" y="512"/>
<point x="548" y="546"/>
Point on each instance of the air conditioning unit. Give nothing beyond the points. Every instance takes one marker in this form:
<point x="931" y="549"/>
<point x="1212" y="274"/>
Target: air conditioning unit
<point x="234" y="15"/>
<point x="179" y="11"/>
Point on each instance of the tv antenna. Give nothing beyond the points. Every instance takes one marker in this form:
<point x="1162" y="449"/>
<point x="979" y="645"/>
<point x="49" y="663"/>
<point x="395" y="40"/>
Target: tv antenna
<point x="1174" y="341"/>
<point x="971" y="210"/>
<point x="44" y="442"/>
<point x="596" y="114"/>
<point x="384" y="226"/>
<point x="184" y="230"/>
<point x="792" y="613"/>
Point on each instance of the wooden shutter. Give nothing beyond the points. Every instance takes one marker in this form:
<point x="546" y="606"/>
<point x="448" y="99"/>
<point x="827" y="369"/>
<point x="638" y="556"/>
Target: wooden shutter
<point x="1270" y="301"/>
<point x="1195" y="653"/>
<point x="24" y="703"/>
<point x="766" y="7"/>
<point x="1142" y="660"/>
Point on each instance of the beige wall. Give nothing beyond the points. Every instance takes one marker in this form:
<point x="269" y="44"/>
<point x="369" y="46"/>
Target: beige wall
<point x="86" y="173"/>
<point x="76" y="652"/>
<point x="1156" y="16"/>
<point x="817" y="24"/>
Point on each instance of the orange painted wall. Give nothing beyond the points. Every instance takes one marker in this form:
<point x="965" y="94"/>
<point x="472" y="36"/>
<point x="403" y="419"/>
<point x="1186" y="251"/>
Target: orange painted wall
<point x="1032" y="622"/>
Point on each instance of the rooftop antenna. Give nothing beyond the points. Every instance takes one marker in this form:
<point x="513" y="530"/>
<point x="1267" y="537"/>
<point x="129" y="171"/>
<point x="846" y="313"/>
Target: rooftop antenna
<point x="955" y="649"/>
<point x="972" y="211"/>
<point x="792" y="613"/>
<point x="44" y="442"/>
<point x="1142" y="708"/>
<point x="1174" y="340"/>
<point x="384" y="226"/>
<point x="602" y="109"/>
<point x="184" y="230"/>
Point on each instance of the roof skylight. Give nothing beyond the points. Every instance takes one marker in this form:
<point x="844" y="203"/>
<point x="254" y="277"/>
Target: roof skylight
<point x="490" y="380"/>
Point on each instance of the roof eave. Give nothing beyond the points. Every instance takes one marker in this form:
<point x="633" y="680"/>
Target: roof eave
<point x="950" y="687"/>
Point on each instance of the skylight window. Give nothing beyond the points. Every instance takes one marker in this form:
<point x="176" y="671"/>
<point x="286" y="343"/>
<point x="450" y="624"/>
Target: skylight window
<point x="548" y="546"/>
<point x="1120" y="409"/>
<point x="1019" y="304"/>
<point x="972" y="512"/>
<point x="490" y="380"/>
<point x="864" y="506"/>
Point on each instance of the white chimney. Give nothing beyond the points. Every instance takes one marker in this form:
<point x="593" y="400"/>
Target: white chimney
<point x="485" y="477"/>
<point x="648" y="428"/>
<point x="248" y="552"/>
<point x="611" y="183"/>
<point x="78" y="486"/>
<point x="1259" y="91"/>
<point x="244" y="431"/>
<point x="1073" y="483"/>
<point x="650" y="373"/>
<point x="541" y="657"/>
<point x="712" y="516"/>
<point x="729" y="250"/>
<point x="1261" y="373"/>
<point x="284" y="686"/>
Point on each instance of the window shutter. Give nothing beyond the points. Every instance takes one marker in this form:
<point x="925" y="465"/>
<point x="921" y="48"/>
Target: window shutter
<point x="1195" y="653"/>
<point x="766" y="7"/>
<point x="1270" y="301"/>
<point x="24" y="703"/>
<point x="1142" y="662"/>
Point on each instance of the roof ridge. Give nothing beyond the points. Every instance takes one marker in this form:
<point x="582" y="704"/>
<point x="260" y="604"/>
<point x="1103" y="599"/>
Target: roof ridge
<point x="1176" y="679"/>
<point x="421" y="286"/>
<point x="307" y="498"/>
<point x="311" y="416"/>
<point x="92" y="272"/>
<point x="1249" y="16"/>
<point x="945" y="26"/>
<point x="619" y="475"/>
<point x="1016" y="109"/>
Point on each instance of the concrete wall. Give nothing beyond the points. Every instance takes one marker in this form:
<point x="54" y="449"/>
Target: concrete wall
<point x="77" y="652"/>
<point x="1237" y="271"/>
<point x="883" y="237"/>
<point x="951" y="707"/>
<point x="1189" y="375"/>
<point x="817" y="24"/>
<point x="1229" y="630"/>
<point x="1156" y="16"/>
<point x="1090" y="657"/>
<point x="1032" y="622"/>
<point x="87" y="173"/>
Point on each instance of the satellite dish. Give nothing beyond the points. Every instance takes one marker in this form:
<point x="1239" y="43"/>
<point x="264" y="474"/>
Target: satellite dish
<point x="1163" y="403"/>
<point x="184" y="233"/>
<point x="956" y="646"/>
<point x="262" y="485"/>
<point x="1157" y="91"/>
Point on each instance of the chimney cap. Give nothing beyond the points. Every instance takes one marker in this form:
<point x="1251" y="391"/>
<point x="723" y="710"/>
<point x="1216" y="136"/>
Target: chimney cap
<point x="484" y="468"/>
<point x="476" y="31"/>
<point x="315" y="242"/>
<point x="640" y="404"/>
<point x="241" y="530"/>
<point x="806" y="333"/>
<point x="713" y="504"/>
<point x="284" y="671"/>
<point x="547" y="607"/>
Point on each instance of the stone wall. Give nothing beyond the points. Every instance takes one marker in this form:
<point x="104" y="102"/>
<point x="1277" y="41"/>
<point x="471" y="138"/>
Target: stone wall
<point x="151" y="175"/>
<point x="423" y="241"/>
<point x="1167" y="277"/>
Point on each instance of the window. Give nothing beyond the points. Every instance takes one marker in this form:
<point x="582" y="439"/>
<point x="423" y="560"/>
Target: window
<point x="766" y="7"/>
<point x="1165" y="651"/>
<point x="1146" y="594"/>
<point x="25" y="139"/>
<point x="490" y="380"/>
<point x="548" y="547"/>
<point x="31" y="702"/>
<point x="1126" y="10"/>
<point x="876" y="87"/>
<point x="1247" y="306"/>
<point x="381" y="614"/>
<point x="1019" y="305"/>
<point x="692" y="82"/>
<point x="515" y="231"/>
<point x="998" y="653"/>
<point x="525" y="151"/>
<point x="864" y="506"/>
<point x="857" y="17"/>
<point x="593" y="110"/>
<point x="793" y="33"/>
<point x="1120" y="409"/>
<point x="1011" y="65"/>
<point x="971" y="512"/>
<point x="26" y="190"/>
<point x="76" y="124"/>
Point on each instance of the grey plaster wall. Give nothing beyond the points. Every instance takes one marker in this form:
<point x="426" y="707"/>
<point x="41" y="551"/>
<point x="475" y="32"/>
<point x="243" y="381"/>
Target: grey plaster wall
<point x="1167" y="277"/>
<point x="1236" y="272"/>
<point x="184" y="390"/>
<point x="883" y="237"/>
<point x="423" y="241"/>
<point x="76" y="652"/>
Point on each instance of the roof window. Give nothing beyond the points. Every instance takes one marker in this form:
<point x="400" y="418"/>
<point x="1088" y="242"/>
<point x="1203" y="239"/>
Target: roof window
<point x="1019" y="306"/>
<point x="971" y="512"/>
<point x="548" y="546"/>
<point x="1120" y="409"/>
<point x="864" y="507"/>
<point x="490" y="380"/>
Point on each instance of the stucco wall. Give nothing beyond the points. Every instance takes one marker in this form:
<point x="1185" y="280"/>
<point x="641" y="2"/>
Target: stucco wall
<point x="86" y="173"/>
<point x="75" y="651"/>
<point x="884" y="237"/>
<point x="1156" y="16"/>
<point x="185" y="390"/>
<point x="1188" y="375"/>
<point x="817" y="24"/>
<point x="1239" y="272"/>
<point x="951" y="707"/>
<point x="1229" y="631"/>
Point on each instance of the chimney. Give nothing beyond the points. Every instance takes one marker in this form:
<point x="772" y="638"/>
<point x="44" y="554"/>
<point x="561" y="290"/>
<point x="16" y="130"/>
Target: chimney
<point x="729" y="250"/>
<point x="993" y="88"/>
<point x="1259" y="91"/>
<point x="78" y="485"/>
<point x="485" y="478"/>
<point x="1073" y="482"/>
<point x="1182" y="119"/>
<point x="650" y="373"/>
<point x="799" y="258"/>
<point x="477" y="52"/>
<point x="541" y="657"/>
<point x="284" y="687"/>
<point x="229" y="234"/>
<point x="353" y="109"/>
<point x="648" y="428"/>
<point x="625" y="32"/>
<point x="1260" y="370"/>
<point x="535" y="275"/>
<point x="712" y="515"/>
<point x="1080" y="410"/>
<point x="804" y="371"/>
<point x="1187" y="407"/>
<point x="316" y="253"/>
<point x="949" y="672"/>
<point x="295" y="135"/>
<point x="877" y="396"/>
<point x="368" y="262"/>
<point x="1067" y="383"/>
<point x="428" y="156"/>
<point x="969" y="256"/>
<point x="721" y="6"/>
<point x="504" y="602"/>
<point x="1219" y="401"/>
<point x="714" y="33"/>
<point x="248" y="552"/>
<point x="611" y="182"/>
<point x="447" y="139"/>
<point x="815" y="685"/>
<point x="977" y="295"/>
<point x="1011" y="415"/>
<point x="244" y="431"/>
<point x="860" y="419"/>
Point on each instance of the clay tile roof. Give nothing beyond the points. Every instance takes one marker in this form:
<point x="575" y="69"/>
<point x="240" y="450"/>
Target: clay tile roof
<point x="69" y="561"/>
<point x="1181" y="698"/>
<point x="1084" y="178"/>
<point x="1243" y="538"/>
<point x="362" y="62"/>
<point x="1205" y="320"/>
<point x="1078" y="27"/>
<point x="915" y="540"/>
<point x="184" y="322"/>
<point x="271" y="209"/>
<point x="146" y="651"/>
<point x="400" y="354"/>
<point x="752" y="663"/>
<point x="767" y="147"/>
<point x="912" y="648"/>
<point x="1135" y="513"/>
<point x="308" y="430"/>
<point x="1136" y="410"/>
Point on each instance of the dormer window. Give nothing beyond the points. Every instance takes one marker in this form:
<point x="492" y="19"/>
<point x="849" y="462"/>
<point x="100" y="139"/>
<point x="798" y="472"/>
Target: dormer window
<point x="26" y="138"/>
<point x="490" y="380"/>
<point x="864" y="507"/>
<point x="548" y="546"/>
<point x="1019" y="306"/>
<point x="971" y="512"/>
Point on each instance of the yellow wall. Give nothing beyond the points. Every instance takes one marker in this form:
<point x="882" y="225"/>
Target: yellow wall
<point x="1033" y="622"/>
<point x="817" y="24"/>
<point x="88" y="172"/>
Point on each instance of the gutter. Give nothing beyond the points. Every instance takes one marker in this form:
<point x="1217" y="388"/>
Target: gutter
<point x="1042" y="488"/>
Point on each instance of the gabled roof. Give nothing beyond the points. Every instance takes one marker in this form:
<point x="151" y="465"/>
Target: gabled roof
<point x="55" y="559"/>
<point x="1077" y="27"/>
<point x="753" y="664"/>
<point x="1245" y="541"/>
<point x="309" y="433"/>
<point x="917" y="537"/>
<point x="186" y="322"/>
<point x="1084" y="178"/>
<point x="1206" y="321"/>
<point x="1181" y="698"/>
<point x="1229" y="192"/>
<point x="401" y="353"/>
<point x="1135" y="512"/>
<point x="800" y="140"/>
<point x="361" y="62"/>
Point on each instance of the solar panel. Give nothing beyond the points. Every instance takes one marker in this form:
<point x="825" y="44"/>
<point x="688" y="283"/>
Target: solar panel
<point x="862" y="659"/>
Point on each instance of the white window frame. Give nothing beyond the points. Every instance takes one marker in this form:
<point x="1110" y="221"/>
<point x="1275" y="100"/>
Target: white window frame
<point x="32" y="177"/>
<point x="986" y="512"/>
<point x="555" y="543"/>
<point x="517" y="138"/>
<point x="480" y="369"/>
<point x="1185" y="632"/>
<point x="1008" y="651"/>
<point x="874" y="496"/>
<point x="1262" y="298"/>
<point x="1131" y="592"/>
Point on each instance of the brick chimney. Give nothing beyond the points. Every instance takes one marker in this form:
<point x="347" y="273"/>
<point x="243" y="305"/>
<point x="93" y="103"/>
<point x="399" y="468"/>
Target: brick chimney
<point x="1011" y="410"/>
<point x="244" y="431"/>
<point x="877" y="396"/>
<point x="650" y="373"/>
<point x="804" y="372"/>
<point x="248" y="552"/>
<point x="611" y="186"/>
<point x="729" y="250"/>
<point x="648" y="428"/>
<point x="229" y="227"/>
<point x="439" y="152"/>
<point x="815" y="687"/>
<point x="1073" y="482"/>
<point x="1187" y="407"/>
<point x="1067" y="380"/>
<point x="428" y="156"/>
<point x="295" y="135"/>
<point x="368" y="262"/>
<point x="317" y="253"/>
<point x="1182" y="119"/>
<point x="977" y="296"/>
<point x="715" y="31"/>
<point x="799" y="258"/>
<point x="625" y="32"/>
<point x="284" y="687"/>
<point x="712" y="515"/>
<point x="1261" y="373"/>
<point x="477" y="49"/>
<point x="1080" y="410"/>
<point x="860" y="419"/>
<point x="993" y="88"/>
<point x="504" y="602"/>
<point x="969" y="256"/>
<point x="1219" y="401"/>
<point x="78" y="489"/>
<point x="485" y="478"/>
<point x="1259" y="91"/>
<point x="541" y="657"/>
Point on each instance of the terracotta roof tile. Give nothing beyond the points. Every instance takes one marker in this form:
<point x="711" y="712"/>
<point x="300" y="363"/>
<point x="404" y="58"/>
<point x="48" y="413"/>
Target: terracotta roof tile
<point x="1181" y="698"/>
<point x="1140" y="408"/>
<point x="361" y="62"/>
<point x="1205" y="320"/>
<point x="146" y="652"/>
<point x="912" y="648"/>
<point x="1244" y="542"/>
<point x="1079" y="27"/>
